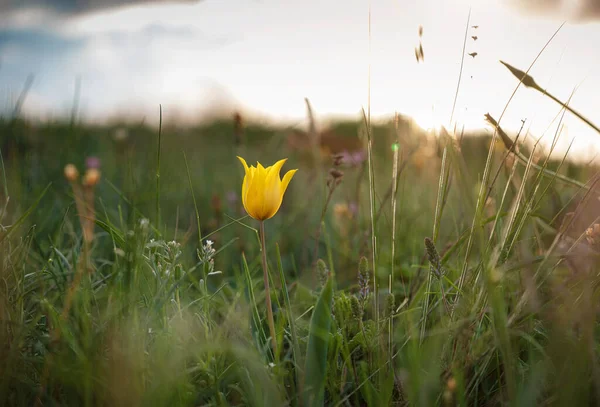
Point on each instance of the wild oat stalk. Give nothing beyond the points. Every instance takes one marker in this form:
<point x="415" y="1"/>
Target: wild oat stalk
<point x="481" y="195"/>
<point x="529" y="82"/>
<point x="511" y="147"/>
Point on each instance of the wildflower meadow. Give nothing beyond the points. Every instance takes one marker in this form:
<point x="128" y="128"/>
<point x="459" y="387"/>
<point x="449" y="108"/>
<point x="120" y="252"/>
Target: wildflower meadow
<point x="360" y="262"/>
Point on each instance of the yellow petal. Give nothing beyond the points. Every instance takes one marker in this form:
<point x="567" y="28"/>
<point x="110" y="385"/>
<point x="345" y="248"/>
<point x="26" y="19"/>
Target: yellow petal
<point x="246" y="186"/>
<point x="280" y="190"/>
<point x="272" y="188"/>
<point x="255" y="194"/>
<point x="275" y="168"/>
<point x="247" y="180"/>
<point x="286" y="180"/>
<point x="243" y="163"/>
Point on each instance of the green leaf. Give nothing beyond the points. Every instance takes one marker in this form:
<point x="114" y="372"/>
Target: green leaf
<point x="288" y="307"/>
<point x="316" y="349"/>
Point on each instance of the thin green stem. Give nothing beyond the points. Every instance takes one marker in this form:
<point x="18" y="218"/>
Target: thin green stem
<point x="462" y="62"/>
<point x="570" y="109"/>
<point x="267" y="289"/>
<point x="158" y="168"/>
<point x="193" y="199"/>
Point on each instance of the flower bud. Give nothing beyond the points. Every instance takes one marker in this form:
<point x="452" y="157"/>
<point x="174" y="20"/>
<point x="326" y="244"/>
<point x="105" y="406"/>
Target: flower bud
<point x="92" y="162"/>
<point x="71" y="173"/>
<point x="92" y="177"/>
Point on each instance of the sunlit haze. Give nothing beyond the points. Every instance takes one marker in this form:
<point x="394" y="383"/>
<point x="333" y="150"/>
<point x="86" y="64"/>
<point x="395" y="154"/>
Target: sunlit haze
<point x="265" y="56"/>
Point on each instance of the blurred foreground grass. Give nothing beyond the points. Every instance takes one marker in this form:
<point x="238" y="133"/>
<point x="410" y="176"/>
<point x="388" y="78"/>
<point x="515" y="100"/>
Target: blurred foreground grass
<point x="498" y="306"/>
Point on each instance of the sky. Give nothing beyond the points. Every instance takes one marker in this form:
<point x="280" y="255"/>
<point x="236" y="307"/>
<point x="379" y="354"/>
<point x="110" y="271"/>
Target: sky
<point x="265" y="56"/>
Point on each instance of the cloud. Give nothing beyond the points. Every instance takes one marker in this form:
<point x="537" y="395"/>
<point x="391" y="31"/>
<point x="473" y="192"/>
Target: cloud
<point x="591" y="8"/>
<point x="574" y="10"/>
<point x="75" y="7"/>
<point x="33" y="51"/>
<point x="121" y="71"/>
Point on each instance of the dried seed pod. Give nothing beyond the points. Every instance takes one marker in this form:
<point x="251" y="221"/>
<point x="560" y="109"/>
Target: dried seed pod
<point x="335" y="173"/>
<point x="338" y="159"/>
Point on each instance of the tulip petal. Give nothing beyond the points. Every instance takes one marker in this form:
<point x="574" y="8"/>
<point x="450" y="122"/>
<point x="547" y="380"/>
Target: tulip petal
<point x="258" y="199"/>
<point x="276" y="168"/>
<point x="286" y="180"/>
<point x="243" y="163"/>
<point x="247" y="180"/>
<point x="246" y="185"/>
<point x="272" y="184"/>
<point x="255" y="196"/>
<point x="273" y="194"/>
<point x="279" y="190"/>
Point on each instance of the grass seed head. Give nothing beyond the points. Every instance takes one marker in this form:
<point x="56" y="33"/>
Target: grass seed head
<point x="363" y="278"/>
<point x="322" y="271"/>
<point x="434" y="257"/>
<point x="357" y="309"/>
<point x="390" y="305"/>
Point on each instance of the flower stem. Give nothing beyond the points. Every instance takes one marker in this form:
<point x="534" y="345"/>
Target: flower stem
<point x="267" y="290"/>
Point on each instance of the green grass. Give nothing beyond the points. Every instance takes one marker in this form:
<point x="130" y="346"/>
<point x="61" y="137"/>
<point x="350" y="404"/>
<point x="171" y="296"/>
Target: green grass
<point x="500" y="310"/>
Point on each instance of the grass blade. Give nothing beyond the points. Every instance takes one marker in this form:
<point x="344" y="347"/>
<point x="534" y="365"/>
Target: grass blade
<point x="288" y="307"/>
<point x="318" y="344"/>
<point x="26" y="214"/>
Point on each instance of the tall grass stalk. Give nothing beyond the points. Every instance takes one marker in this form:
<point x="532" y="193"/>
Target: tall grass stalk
<point x="396" y="159"/>
<point x="439" y="208"/>
<point x="372" y="217"/>
<point x="480" y="202"/>
<point x="462" y="62"/>
<point x="158" y="166"/>
<point x="367" y="119"/>
<point x="187" y="168"/>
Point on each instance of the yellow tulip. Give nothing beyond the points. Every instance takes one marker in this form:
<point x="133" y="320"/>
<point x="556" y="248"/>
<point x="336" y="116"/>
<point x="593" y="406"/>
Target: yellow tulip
<point x="263" y="190"/>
